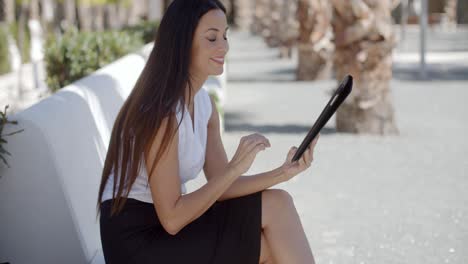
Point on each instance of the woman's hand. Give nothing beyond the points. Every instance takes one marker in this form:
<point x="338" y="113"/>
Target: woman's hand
<point x="290" y="169"/>
<point x="246" y="152"/>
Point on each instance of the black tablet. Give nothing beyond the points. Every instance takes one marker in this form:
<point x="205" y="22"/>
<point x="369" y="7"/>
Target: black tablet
<point x="338" y="97"/>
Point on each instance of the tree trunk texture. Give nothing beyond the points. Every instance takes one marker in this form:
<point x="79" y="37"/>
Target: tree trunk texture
<point x="288" y="30"/>
<point x="275" y="21"/>
<point x="111" y="17"/>
<point x="450" y="10"/>
<point x="364" y="41"/>
<point x="260" y="18"/>
<point x="136" y="11"/>
<point x="98" y="17"/>
<point x="85" y="17"/>
<point x="314" y="41"/>
<point x="242" y="10"/>
<point x="34" y="10"/>
<point x="9" y="11"/>
<point x="69" y="10"/>
<point x="123" y="14"/>
<point x="230" y="12"/>
<point x="272" y="39"/>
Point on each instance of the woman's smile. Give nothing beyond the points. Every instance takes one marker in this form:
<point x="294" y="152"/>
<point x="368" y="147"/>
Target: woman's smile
<point x="219" y="60"/>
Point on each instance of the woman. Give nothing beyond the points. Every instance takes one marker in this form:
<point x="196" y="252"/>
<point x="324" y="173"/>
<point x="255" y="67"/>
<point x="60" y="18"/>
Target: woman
<point x="165" y="133"/>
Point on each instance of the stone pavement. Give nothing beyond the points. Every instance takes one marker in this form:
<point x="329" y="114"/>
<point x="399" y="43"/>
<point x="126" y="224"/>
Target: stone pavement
<point x="366" y="199"/>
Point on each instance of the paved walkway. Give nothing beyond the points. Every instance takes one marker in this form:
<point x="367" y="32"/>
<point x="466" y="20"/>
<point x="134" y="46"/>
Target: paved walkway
<point x="366" y="199"/>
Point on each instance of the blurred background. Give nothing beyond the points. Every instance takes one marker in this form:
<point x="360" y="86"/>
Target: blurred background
<point x="390" y="173"/>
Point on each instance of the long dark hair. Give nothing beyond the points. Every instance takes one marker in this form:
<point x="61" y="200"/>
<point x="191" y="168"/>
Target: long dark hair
<point x="157" y="91"/>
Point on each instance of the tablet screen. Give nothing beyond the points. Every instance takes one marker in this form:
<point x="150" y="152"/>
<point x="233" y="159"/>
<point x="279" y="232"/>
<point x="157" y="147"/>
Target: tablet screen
<point x="340" y="94"/>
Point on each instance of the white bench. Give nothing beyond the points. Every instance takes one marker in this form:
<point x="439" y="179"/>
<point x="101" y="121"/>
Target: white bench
<point x="48" y="196"/>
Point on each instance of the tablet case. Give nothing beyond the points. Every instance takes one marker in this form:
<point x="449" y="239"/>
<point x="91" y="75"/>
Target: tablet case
<point x="335" y="101"/>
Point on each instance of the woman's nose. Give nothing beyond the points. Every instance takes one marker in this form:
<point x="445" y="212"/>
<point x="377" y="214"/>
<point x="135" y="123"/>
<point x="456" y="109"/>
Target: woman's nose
<point x="224" y="46"/>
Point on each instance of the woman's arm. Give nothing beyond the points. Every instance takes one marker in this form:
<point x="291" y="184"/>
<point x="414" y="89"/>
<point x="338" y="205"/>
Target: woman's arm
<point x="245" y="185"/>
<point x="173" y="209"/>
<point x="216" y="162"/>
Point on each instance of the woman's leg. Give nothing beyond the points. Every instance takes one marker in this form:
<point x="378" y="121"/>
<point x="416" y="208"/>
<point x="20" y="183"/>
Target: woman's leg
<point x="283" y="231"/>
<point x="265" y="252"/>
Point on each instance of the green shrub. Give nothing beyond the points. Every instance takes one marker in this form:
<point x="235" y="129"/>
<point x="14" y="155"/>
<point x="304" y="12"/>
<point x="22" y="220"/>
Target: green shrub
<point x="78" y="54"/>
<point x="3" y="122"/>
<point x="147" y="28"/>
<point x="4" y="53"/>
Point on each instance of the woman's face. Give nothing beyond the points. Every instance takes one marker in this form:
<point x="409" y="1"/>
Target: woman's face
<point x="210" y="44"/>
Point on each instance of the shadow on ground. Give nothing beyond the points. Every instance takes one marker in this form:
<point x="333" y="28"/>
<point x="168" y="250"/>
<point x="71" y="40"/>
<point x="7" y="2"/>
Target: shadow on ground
<point x="435" y="72"/>
<point x="238" y="122"/>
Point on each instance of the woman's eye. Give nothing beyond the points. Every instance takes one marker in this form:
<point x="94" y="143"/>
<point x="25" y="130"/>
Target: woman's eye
<point x="213" y="40"/>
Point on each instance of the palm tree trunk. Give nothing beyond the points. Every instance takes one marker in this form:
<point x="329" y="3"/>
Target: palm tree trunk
<point x="272" y="38"/>
<point x="34" y="9"/>
<point x="70" y="9"/>
<point x="97" y="12"/>
<point x="451" y="13"/>
<point x="288" y="30"/>
<point x="9" y="11"/>
<point x="85" y="17"/>
<point x="260" y="17"/>
<point x="315" y="47"/>
<point x="111" y="19"/>
<point x="242" y="12"/>
<point x="364" y="40"/>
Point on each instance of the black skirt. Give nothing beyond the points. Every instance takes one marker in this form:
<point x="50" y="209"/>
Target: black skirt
<point x="228" y="232"/>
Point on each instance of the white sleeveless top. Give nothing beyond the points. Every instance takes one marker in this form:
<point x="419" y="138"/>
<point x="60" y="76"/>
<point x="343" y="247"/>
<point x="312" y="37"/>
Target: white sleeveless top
<point x="192" y="148"/>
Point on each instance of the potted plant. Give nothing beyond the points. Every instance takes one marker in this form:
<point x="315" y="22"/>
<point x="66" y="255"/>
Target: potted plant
<point x="3" y="122"/>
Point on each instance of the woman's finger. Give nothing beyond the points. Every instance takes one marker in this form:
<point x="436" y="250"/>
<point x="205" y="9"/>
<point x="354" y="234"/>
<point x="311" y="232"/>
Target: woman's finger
<point x="307" y="158"/>
<point x="259" y="148"/>
<point x="250" y="142"/>
<point x="263" y="139"/>
<point x="291" y="153"/>
<point x="314" y="142"/>
<point x="302" y="160"/>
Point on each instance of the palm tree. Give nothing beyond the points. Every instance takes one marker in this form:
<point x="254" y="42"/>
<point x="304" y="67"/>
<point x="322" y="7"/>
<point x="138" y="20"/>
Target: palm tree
<point x="69" y="10"/>
<point x="98" y="15"/>
<point x="242" y="13"/>
<point x="9" y="11"/>
<point x="288" y="29"/>
<point x="260" y="17"/>
<point x="451" y="12"/>
<point x="364" y="41"/>
<point x="314" y="42"/>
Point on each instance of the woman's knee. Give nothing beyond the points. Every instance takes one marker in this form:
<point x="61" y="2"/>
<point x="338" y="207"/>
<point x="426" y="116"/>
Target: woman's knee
<point x="274" y="201"/>
<point x="278" y="197"/>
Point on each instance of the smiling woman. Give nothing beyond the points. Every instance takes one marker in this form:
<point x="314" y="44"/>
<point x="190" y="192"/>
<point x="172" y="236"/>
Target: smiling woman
<point x="166" y="132"/>
<point x="146" y="216"/>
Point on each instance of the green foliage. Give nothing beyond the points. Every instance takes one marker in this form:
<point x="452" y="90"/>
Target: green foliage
<point x="4" y="53"/>
<point x="147" y="28"/>
<point x="78" y="54"/>
<point x="3" y="122"/>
